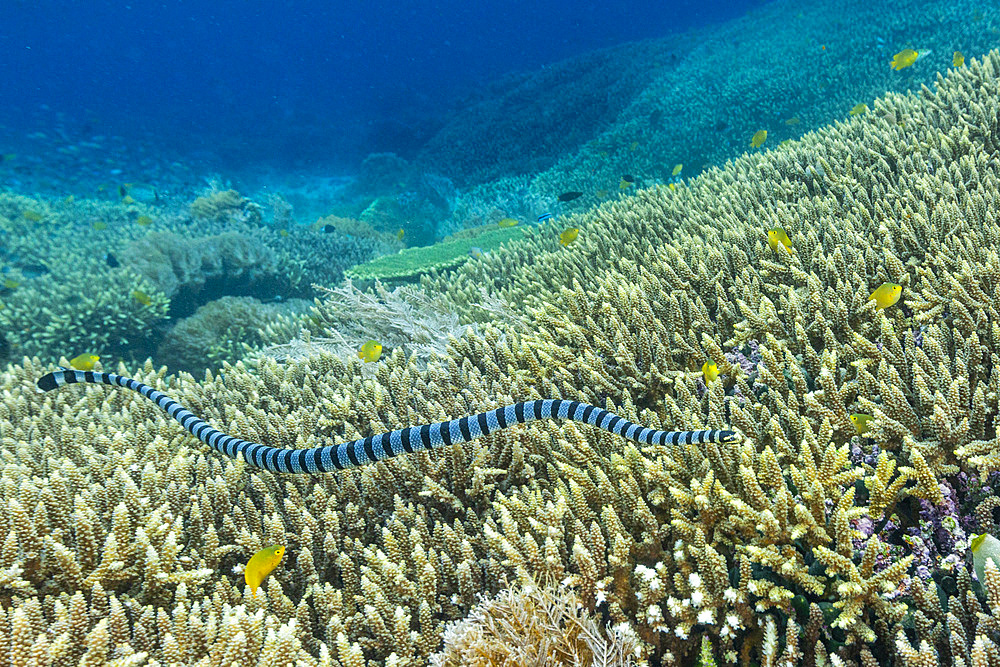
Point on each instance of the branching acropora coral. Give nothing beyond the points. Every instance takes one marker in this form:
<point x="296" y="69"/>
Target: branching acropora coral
<point x="789" y="547"/>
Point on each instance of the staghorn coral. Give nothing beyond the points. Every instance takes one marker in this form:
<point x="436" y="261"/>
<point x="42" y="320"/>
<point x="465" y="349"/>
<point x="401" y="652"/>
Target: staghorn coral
<point x="765" y="547"/>
<point x="81" y="309"/>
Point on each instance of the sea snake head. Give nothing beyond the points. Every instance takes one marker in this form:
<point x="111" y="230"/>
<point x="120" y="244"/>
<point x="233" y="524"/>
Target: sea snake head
<point x="730" y="437"/>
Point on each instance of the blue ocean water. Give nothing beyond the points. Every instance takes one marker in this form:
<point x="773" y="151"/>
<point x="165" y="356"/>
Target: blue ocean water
<point x="302" y="84"/>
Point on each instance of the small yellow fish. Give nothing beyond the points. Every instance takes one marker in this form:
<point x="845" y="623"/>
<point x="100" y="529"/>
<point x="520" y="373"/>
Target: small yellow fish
<point x="99" y="225"/>
<point x="33" y="216"/>
<point x="84" y="362"/>
<point x="957" y="59"/>
<point x="984" y="546"/>
<point x="400" y="234"/>
<point x="709" y="371"/>
<point x="777" y="237"/>
<point x="677" y="169"/>
<point x="127" y="199"/>
<point x="261" y="565"/>
<point x="671" y="186"/>
<point x="142" y="297"/>
<point x="794" y="120"/>
<point x="283" y="233"/>
<point x="507" y="222"/>
<point x="601" y="194"/>
<point x="624" y="185"/>
<point x="69" y="200"/>
<point x="886" y="295"/>
<point x="143" y="220"/>
<point x="860" y="421"/>
<point x="758" y="139"/>
<point x="904" y="59"/>
<point x="635" y="145"/>
<point x="858" y="109"/>
<point x="475" y="252"/>
<point x="10" y="284"/>
<point x="370" y="351"/>
<point x="785" y="142"/>
<point x="568" y="236"/>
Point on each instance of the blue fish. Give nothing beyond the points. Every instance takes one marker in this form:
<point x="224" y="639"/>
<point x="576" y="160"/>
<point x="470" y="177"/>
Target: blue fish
<point x="544" y="216"/>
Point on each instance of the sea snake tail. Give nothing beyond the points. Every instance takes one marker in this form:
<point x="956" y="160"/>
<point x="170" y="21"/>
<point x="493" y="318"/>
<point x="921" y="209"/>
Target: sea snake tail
<point x="393" y="443"/>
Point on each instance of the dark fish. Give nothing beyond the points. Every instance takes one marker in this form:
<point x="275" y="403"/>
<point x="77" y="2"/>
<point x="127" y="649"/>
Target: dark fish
<point x="33" y="270"/>
<point x="569" y="196"/>
<point x="329" y="229"/>
<point x="112" y="261"/>
<point x="544" y="216"/>
<point x="628" y="178"/>
<point x="122" y="191"/>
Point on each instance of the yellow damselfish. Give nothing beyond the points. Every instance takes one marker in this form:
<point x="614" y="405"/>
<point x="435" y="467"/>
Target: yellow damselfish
<point x="777" y="237"/>
<point x="507" y="222"/>
<point x="370" y="351"/>
<point x="904" y="59"/>
<point x="709" y="371"/>
<point x="142" y="297"/>
<point x="84" y="362"/>
<point x="860" y="421"/>
<point x="261" y="564"/>
<point x="858" y="109"/>
<point x="568" y="236"/>
<point x="677" y="169"/>
<point x="957" y="59"/>
<point x="886" y="295"/>
<point x="758" y="139"/>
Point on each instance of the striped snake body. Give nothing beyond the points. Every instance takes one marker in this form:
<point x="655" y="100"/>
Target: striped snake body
<point x="386" y="445"/>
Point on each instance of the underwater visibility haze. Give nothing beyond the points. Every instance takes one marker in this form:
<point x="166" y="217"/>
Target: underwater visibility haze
<point x="447" y="334"/>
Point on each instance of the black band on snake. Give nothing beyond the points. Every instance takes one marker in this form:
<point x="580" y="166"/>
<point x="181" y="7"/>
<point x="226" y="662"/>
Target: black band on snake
<point x="393" y="443"/>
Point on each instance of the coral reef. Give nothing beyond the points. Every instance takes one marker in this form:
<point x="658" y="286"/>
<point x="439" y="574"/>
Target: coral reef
<point x="535" y="626"/>
<point x="407" y="318"/>
<point x="409" y="264"/>
<point x="178" y="264"/>
<point x="226" y="206"/>
<point x="91" y="310"/>
<point x="222" y="331"/>
<point x="122" y="532"/>
<point x="521" y="124"/>
<point x="77" y="263"/>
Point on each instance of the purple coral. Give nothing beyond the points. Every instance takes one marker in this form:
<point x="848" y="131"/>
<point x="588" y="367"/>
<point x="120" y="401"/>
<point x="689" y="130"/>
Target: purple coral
<point x="747" y="362"/>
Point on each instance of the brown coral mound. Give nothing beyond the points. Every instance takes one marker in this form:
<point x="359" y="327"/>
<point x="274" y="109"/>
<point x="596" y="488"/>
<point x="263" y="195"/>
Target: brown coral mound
<point x="121" y="531"/>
